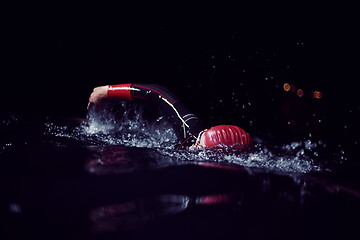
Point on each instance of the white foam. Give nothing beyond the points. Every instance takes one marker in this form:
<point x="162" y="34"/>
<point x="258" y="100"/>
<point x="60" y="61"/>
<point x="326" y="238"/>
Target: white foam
<point x="133" y="131"/>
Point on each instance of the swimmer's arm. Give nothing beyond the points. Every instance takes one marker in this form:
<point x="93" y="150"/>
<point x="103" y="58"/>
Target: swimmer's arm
<point x="119" y="91"/>
<point x="130" y="92"/>
<point x="97" y="94"/>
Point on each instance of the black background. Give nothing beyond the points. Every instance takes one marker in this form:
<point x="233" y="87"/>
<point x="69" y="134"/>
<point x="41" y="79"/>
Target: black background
<point x="227" y="62"/>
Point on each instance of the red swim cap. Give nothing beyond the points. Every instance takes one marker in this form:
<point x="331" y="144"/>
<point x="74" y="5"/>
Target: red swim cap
<point x="228" y="135"/>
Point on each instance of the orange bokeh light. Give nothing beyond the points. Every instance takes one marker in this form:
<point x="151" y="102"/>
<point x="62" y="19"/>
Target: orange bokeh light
<point x="317" y="94"/>
<point x="286" y="87"/>
<point x="300" y="92"/>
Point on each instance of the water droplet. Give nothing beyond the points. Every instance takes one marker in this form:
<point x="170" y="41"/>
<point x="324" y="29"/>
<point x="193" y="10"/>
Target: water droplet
<point x="14" y="208"/>
<point x="295" y="145"/>
<point x="300" y="153"/>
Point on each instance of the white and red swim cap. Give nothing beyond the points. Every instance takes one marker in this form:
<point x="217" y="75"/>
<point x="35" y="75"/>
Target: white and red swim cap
<point x="227" y="135"/>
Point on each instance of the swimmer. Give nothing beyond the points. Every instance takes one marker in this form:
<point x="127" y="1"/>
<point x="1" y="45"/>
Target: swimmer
<point x="190" y="129"/>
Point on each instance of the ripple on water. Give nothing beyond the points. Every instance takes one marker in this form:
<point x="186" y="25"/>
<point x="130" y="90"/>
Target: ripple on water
<point x="256" y="157"/>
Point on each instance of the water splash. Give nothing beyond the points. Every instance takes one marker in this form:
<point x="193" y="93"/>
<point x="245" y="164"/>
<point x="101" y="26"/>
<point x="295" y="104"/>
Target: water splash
<point x="260" y="156"/>
<point x="106" y="128"/>
<point x="121" y="125"/>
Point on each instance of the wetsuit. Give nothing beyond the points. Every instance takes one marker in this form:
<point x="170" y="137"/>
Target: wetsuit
<point x="187" y="125"/>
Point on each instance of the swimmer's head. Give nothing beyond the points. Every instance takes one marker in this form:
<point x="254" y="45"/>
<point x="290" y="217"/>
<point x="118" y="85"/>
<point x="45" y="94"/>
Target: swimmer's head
<point x="223" y="136"/>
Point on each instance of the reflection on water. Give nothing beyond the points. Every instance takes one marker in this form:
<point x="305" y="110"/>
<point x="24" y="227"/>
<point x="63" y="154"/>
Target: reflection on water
<point x="118" y="180"/>
<point x="107" y="160"/>
<point x="134" y="214"/>
<point x="268" y="207"/>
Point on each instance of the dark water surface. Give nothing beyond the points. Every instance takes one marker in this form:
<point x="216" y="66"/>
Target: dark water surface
<point x="79" y="179"/>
